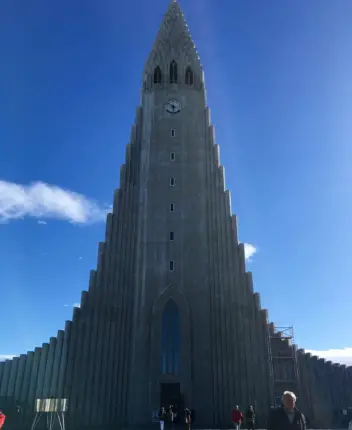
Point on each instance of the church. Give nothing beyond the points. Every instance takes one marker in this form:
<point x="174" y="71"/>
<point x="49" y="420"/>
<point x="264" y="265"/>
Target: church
<point x="170" y="315"/>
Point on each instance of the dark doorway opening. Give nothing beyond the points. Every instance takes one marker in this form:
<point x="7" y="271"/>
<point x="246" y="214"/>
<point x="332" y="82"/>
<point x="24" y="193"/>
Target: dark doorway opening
<point x="170" y="394"/>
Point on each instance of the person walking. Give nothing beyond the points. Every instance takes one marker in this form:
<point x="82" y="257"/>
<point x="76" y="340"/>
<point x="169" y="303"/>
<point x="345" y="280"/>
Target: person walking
<point x="2" y="419"/>
<point x="237" y="417"/>
<point x="188" y="419"/>
<point x="162" y="416"/>
<point x="250" y="418"/>
<point x="287" y="417"/>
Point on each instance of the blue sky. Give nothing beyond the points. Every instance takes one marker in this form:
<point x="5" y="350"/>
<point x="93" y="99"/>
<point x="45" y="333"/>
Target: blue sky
<point x="278" y="78"/>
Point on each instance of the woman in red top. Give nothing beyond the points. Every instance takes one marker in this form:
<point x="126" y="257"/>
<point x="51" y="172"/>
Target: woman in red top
<point x="237" y="418"/>
<point x="2" y="419"/>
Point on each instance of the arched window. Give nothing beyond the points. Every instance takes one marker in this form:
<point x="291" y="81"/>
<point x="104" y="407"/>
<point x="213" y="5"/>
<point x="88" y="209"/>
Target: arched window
<point x="173" y="72"/>
<point x="157" y="75"/>
<point x="189" y="76"/>
<point x="170" y="339"/>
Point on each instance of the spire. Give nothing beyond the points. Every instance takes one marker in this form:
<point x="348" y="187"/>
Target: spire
<point x="173" y="40"/>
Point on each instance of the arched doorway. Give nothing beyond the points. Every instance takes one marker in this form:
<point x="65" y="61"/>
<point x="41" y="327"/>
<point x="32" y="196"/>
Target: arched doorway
<point x="170" y="371"/>
<point x="170" y="391"/>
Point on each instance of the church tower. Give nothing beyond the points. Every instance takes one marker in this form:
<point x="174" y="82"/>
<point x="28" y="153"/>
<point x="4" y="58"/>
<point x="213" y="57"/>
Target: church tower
<point x="197" y="331"/>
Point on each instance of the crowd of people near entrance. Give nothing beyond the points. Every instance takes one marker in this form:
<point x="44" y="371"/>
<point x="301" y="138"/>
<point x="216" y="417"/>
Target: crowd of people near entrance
<point x="286" y="417"/>
<point x="171" y="416"/>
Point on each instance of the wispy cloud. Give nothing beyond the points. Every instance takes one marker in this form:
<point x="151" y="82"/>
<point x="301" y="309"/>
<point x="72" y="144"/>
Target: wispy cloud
<point x="342" y="356"/>
<point x="4" y="357"/>
<point x="249" y="251"/>
<point x="41" y="222"/>
<point x="40" y="200"/>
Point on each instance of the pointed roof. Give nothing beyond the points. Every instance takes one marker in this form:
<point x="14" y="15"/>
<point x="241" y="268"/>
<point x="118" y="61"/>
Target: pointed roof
<point x="173" y="36"/>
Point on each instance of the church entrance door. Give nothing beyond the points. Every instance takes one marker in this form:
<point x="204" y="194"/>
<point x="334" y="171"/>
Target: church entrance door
<point x="170" y="394"/>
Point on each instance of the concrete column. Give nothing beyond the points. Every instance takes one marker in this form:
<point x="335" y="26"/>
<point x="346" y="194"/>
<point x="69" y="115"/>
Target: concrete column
<point x="41" y="370"/>
<point x="53" y="392"/>
<point x="71" y="358"/>
<point x="253" y="342"/>
<point x="262" y="404"/>
<point x="89" y="403"/>
<point x="121" y="300"/>
<point x="77" y="364"/>
<point x="12" y="378"/>
<point x="229" y="281"/>
<point x="99" y="303"/>
<point x="33" y="382"/>
<point x="212" y="283"/>
<point x="81" y="374"/>
<point x="26" y="381"/>
<point x="240" y="329"/>
<point x="118" y="229"/>
<point x="220" y="286"/>
<point x="63" y="362"/>
<point x="127" y="304"/>
<point x="231" y="241"/>
<point x="19" y="378"/>
<point x="230" y="307"/>
<point x="268" y="374"/>
<point x="246" y="324"/>
<point x="218" y="377"/>
<point x="2" y="365"/>
<point x="5" y="377"/>
<point x="49" y="368"/>
<point x="111" y="237"/>
<point x="103" y="401"/>
<point x="240" y="381"/>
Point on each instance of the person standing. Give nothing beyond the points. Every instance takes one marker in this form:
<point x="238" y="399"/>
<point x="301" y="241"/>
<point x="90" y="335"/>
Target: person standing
<point x="350" y="425"/>
<point x="237" y="417"/>
<point x="2" y="419"/>
<point x="287" y="417"/>
<point x="250" y="417"/>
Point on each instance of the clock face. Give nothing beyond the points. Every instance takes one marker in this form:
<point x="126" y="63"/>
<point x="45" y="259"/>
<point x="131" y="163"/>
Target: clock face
<point x="173" y="106"/>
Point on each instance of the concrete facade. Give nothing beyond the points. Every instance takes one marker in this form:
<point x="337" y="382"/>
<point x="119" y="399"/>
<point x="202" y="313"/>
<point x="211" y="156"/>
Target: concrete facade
<point x="170" y="239"/>
<point x="324" y="389"/>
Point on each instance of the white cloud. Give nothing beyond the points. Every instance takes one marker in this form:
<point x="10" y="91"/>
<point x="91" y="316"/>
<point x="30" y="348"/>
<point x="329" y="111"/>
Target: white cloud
<point x="76" y="305"/>
<point x="40" y="221"/>
<point x="249" y="251"/>
<point x="42" y="200"/>
<point x="342" y="356"/>
<point x="4" y="357"/>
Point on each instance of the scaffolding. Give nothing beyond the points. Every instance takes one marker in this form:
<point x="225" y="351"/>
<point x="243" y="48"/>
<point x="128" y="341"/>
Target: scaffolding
<point x="284" y="361"/>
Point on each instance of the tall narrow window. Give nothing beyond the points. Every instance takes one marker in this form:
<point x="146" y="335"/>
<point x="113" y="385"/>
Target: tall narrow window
<point x="171" y="236"/>
<point x="173" y="72"/>
<point x="189" y="76"/>
<point x="157" y="75"/>
<point x="171" y="265"/>
<point x="173" y="132"/>
<point x="172" y="156"/>
<point x="170" y="339"/>
<point x="172" y="207"/>
<point x="172" y="182"/>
